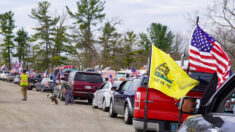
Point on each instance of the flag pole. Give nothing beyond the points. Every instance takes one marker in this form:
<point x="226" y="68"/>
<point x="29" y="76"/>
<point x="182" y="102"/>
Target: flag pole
<point x="197" y="20"/>
<point x="146" y="100"/>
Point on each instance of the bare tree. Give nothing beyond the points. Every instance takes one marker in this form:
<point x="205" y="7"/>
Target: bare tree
<point x="221" y="16"/>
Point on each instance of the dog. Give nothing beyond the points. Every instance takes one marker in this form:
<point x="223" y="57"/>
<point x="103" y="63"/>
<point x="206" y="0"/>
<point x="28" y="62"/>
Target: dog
<point x="53" y="98"/>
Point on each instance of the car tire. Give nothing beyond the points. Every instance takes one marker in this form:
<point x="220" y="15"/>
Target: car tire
<point x="42" y="89"/>
<point x="138" y="130"/>
<point x="111" y="112"/>
<point x="93" y="104"/>
<point x="104" y="108"/>
<point x="89" y="101"/>
<point x="61" y="97"/>
<point x="127" y="115"/>
<point x="30" y="88"/>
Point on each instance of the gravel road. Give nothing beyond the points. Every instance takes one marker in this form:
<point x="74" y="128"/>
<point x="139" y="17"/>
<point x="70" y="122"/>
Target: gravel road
<point x="38" y="114"/>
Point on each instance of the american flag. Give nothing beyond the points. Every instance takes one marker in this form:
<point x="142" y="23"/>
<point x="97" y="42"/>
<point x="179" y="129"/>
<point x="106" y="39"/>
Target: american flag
<point x="3" y="66"/>
<point x="31" y="73"/>
<point x="61" y="74"/>
<point x="111" y="78"/>
<point x="133" y="71"/>
<point x="207" y="55"/>
<point x="45" y="74"/>
<point x="18" y="63"/>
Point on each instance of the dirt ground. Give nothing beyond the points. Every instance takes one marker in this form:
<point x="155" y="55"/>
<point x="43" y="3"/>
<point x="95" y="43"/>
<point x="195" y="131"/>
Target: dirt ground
<point x="38" y="114"/>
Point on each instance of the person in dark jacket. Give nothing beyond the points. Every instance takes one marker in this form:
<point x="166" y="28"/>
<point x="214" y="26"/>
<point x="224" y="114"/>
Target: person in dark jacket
<point x="65" y="86"/>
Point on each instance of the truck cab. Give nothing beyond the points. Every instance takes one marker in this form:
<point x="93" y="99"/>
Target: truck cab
<point x="218" y="114"/>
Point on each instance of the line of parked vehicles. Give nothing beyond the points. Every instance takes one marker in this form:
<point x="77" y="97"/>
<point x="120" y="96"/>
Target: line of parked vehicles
<point x="127" y="98"/>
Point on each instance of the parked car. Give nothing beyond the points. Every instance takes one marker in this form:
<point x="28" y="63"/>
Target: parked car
<point x="103" y="95"/>
<point x="122" y="99"/>
<point x="216" y="117"/>
<point x="58" y="92"/>
<point x="44" y="85"/>
<point x="4" y="75"/>
<point x="1" y="74"/>
<point x="66" y="73"/>
<point x="34" y="80"/>
<point x="17" y="79"/>
<point x="163" y="112"/>
<point x="122" y="75"/>
<point x="84" y="84"/>
<point x="11" y="76"/>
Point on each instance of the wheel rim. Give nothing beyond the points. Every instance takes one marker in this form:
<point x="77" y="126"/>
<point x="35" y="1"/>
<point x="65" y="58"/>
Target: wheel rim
<point x="111" y="108"/>
<point x="126" y="114"/>
<point x="93" y="102"/>
<point x="103" y="104"/>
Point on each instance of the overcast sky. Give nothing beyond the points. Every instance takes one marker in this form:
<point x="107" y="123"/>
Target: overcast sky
<point x="135" y="15"/>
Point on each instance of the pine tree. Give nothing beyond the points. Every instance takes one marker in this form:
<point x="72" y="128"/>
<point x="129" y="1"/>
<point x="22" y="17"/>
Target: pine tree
<point x="89" y="13"/>
<point x="6" y="26"/>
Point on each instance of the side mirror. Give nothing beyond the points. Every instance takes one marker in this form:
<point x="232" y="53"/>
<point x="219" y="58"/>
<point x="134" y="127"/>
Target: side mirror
<point x="189" y="105"/>
<point x="113" y="88"/>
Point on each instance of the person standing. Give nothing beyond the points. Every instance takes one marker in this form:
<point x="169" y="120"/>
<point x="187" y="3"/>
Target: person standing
<point x="67" y="91"/>
<point x="24" y="85"/>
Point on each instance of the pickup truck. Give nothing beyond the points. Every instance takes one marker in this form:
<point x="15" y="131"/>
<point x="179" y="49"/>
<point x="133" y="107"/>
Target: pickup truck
<point x="163" y="112"/>
<point x="218" y="113"/>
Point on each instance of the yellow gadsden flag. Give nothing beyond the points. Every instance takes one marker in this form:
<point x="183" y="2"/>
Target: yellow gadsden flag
<point x="167" y="76"/>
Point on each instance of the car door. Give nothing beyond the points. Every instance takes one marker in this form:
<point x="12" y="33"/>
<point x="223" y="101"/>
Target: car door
<point x="99" y="95"/>
<point x="121" y="96"/>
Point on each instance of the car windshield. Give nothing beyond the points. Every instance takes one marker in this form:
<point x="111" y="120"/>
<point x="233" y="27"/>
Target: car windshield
<point x="45" y="80"/>
<point x="88" y="77"/>
<point x="120" y="75"/>
<point x="116" y="83"/>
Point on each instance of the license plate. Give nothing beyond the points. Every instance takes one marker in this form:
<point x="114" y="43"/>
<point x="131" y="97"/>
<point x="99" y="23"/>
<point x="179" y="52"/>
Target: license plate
<point x="87" y="87"/>
<point x="174" y="126"/>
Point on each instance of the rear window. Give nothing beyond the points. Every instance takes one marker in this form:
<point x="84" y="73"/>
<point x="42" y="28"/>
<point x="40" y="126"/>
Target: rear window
<point x="203" y="78"/>
<point x="120" y="75"/>
<point x="135" y="84"/>
<point x="45" y="80"/>
<point x="87" y="77"/>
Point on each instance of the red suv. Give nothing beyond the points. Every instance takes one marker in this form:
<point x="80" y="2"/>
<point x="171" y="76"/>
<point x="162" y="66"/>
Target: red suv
<point x="84" y="84"/>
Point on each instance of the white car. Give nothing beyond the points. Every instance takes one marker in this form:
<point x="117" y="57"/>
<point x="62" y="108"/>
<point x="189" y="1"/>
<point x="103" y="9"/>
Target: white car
<point x="4" y="75"/>
<point x="103" y="94"/>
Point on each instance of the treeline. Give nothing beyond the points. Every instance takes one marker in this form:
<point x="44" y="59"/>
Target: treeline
<point x="84" y="42"/>
<point x="89" y="40"/>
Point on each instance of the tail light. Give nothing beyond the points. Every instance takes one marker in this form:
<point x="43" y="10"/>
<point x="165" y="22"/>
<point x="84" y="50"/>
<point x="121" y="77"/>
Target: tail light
<point x="137" y="100"/>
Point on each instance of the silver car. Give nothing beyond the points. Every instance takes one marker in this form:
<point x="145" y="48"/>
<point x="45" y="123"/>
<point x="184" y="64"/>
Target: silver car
<point x="103" y="94"/>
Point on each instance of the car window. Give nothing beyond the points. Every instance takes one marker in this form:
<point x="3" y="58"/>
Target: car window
<point x="135" y="84"/>
<point x="45" y="80"/>
<point x="229" y="106"/>
<point x="203" y="78"/>
<point x="120" y="75"/>
<point x="92" y="78"/>
<point x="126" y="86"/>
